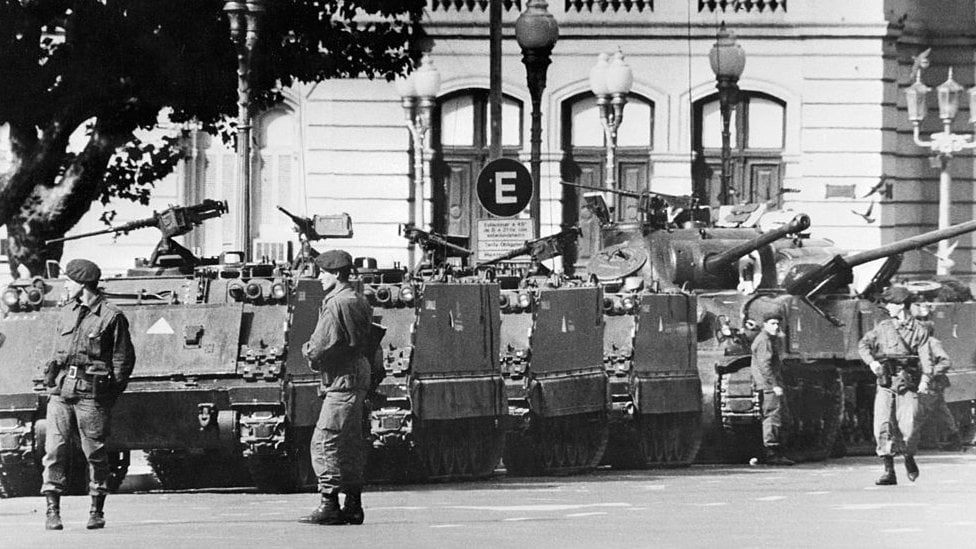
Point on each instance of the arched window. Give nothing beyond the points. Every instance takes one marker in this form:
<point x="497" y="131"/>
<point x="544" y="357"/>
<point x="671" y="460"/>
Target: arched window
<point x="584" y="162"/>
<point x="460" y="139"/>
<point x="757" y="129"/>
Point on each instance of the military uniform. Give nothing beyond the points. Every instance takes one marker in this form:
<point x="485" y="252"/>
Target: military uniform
<point x="93" y="360"/>
<point x="767" y="373"/>
<point x="903" y="348"/>
<point x="336" y="350"/>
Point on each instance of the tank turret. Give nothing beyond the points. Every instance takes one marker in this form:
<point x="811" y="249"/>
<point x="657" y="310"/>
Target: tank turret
<point x="832" y="275"/>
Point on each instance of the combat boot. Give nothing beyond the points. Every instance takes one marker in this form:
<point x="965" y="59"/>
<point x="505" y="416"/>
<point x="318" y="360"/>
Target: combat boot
<point x="911" y="467"/>
<point x="888" y="477"/>
<point x="352" y="508"/>
<point x="96" y="515"/>
<point x="53" y="521"/>
<point x="326" y="513"/>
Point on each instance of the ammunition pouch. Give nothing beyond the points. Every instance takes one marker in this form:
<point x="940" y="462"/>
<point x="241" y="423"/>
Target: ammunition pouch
<point x="900" y="375"/>
<point x="51" y="370"/>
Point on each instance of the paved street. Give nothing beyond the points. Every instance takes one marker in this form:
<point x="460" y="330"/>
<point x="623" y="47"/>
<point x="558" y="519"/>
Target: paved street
<point x="834" y="504"/>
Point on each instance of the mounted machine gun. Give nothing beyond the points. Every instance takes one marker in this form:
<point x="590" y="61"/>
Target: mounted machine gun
<point x="171" y="222"/>
<point x="318" y="227"/>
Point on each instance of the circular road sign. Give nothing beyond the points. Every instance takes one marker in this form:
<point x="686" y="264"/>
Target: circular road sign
<point x="504" y="187"/>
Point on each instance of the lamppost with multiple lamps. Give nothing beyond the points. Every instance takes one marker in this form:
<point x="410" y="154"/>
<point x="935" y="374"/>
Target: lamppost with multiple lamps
<point x="943" y="144"/>
<point x="728" y="60"/>
<point x="245" y="25"/>
<point x="610" y="82"/>
<point x="536" y="32"/>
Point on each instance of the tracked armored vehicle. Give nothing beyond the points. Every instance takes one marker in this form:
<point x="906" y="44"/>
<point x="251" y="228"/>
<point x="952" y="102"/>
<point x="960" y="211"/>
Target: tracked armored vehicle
<point x="671" y="278"/>
<point x="824" y="320"/>
<point x="29" y="319"/>
<point x="551" y="356"/>
<point x="441" y="412"/>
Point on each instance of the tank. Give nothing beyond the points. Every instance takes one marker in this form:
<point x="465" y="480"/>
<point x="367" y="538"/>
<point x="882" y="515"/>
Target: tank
<point x="832" y="391"/>
<point x="440" y="413"/>
<point x="551" y="355"/>
<point x="30" y="311"/>
<point x="667" y="276"/>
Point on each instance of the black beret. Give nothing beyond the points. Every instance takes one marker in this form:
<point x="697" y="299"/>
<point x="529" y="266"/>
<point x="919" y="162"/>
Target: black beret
<point x="772" y="315"/>
<point x="334" y="260"/>
<point x="82" y="271"/>
<point x="897" y="294"/>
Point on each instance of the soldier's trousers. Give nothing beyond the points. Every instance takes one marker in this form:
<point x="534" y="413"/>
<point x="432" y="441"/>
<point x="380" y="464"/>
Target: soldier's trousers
<point x="90" y="419"/>
<point x="775" y="413"/>
<point x="896" y="421"/>
<point x="337" y="447"/>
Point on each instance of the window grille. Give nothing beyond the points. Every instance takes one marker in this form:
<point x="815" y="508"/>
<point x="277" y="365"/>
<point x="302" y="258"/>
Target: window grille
<point x="471" y="5"/>
<point x="741" y="5"/>
<point x="609" y="5"/>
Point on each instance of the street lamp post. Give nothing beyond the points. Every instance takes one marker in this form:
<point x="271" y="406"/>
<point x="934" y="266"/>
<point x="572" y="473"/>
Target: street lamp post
<point x="610" y="82"/>
<point x="536" y="32"/>
<point x="418" y="93"/>
<point x="943" y="144"/>
<point x="728" y="60"/>
<point x="245" y="24"/>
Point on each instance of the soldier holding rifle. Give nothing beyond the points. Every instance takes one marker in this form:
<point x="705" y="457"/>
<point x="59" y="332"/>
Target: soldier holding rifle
<point x="899" y="352"/>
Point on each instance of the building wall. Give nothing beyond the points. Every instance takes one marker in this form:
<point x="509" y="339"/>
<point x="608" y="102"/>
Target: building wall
<point x="839" y="66"/>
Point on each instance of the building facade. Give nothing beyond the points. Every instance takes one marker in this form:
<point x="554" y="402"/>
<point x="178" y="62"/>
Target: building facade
<point x="820" y="126"/>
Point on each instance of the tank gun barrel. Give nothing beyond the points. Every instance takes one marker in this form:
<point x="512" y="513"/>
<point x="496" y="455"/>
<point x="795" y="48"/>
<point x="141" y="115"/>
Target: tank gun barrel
<point x="715" y="263"/>
<point x="838" y="269"/>
<point x="540" y="248"/>
<point x="173" y="221"/>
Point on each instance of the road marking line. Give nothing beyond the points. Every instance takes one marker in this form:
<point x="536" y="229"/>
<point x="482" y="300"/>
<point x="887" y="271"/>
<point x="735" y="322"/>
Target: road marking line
<point x="587" y="514"/>
<point x="516" y="519"/>
<point x="543" y="507"/>
<point x="445" y="525"/>
<point x="876" y="506"/>
<point x="771" y="498"/>
<point x="403" y="508"/>
<point x="818" y="493"/>
<point x="901" y="530"/>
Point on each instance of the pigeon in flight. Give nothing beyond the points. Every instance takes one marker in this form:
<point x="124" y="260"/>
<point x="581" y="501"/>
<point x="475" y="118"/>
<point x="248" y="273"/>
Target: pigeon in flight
<point x="867" y="214"/>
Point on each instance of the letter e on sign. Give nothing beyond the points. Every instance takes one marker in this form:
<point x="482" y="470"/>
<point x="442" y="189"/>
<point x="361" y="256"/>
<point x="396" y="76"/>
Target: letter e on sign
<point x="504" y="187"/>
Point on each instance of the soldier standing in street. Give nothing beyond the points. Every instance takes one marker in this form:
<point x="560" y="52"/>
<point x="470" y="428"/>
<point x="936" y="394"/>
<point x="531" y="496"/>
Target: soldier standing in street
<point x="336" y="350"/>
<point x="91" y="367"/>
<point x="898" y="350"/>
<point x="767" y="375"/>
<point x="938" y="417"/>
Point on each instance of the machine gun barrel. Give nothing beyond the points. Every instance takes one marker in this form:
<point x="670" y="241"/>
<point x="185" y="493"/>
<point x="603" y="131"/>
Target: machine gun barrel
<point x="535" y="246"/>
<point x="717" y="262"/>
<point x="430" y="240"/>
<point x="672" y="199"/>
<point x="838" y="268"/>
<point x="173" y="221"/>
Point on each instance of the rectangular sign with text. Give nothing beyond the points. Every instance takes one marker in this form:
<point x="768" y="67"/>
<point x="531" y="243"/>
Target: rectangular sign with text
<point x="499" y="236"/>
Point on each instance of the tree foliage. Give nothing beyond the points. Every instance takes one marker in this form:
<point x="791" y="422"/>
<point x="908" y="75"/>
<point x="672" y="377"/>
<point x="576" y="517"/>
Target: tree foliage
<point x="112" y="66"/>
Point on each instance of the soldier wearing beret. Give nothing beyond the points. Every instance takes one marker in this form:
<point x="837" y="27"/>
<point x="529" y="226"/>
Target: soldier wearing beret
<point x="92" y="362"/>
<point x="336" y="349"/>
<point x="767" y="376"/>
<point x="899" y="351"/>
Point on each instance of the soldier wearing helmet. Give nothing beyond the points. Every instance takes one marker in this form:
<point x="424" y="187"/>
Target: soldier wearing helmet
<point x="899" y="352"/>
<point x="92" y="362"/>
<point x="336" y="349"/>
<point x="767" y="376"/>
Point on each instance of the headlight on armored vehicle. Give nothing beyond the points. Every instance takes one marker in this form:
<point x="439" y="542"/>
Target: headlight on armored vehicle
<point x="11" y="298"/>
<point x="253" y="291"/>
<point x="406" y="294"/>
<point x="628" y="303"/>
<point x="278" y="291"/>
<point x="34" y="297"/>
<point x="525" y="300"/>
<point x="236" y="291"/>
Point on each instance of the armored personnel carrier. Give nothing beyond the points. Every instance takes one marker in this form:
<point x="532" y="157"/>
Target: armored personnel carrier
<point x="551" y="354"/>
<point x="27" y="329"/>
<point x="440" y="412"/>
